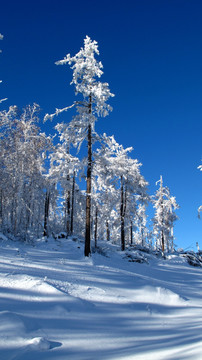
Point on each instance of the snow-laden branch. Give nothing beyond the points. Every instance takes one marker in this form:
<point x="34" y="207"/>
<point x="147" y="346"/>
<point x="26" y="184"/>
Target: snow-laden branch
<point x="199" y="210"/>
<point x="1" y="38"/>
<point x="1" y="100"/>
<point x="57" y="112"/>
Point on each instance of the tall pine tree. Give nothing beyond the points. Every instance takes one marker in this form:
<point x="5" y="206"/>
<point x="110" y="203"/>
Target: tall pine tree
<point x="164" y="218"/>
<point x="93" y="103"/>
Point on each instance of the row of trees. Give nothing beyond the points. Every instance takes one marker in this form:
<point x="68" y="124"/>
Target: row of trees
<point x="41" y="182"/>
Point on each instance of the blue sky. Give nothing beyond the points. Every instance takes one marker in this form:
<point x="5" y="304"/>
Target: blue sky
<point x="152" y="56"/>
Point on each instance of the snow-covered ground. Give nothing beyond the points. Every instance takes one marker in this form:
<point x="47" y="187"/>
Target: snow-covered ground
<point x="56" y="304"/>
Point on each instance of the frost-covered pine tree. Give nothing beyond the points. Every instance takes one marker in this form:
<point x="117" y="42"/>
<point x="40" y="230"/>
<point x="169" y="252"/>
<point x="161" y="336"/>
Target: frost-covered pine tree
<point x="93" y="103"/>
<point x="124" y="177"/>
<point x="22" y="156"/>
<point x="104" y="194"/>
<point x="141" y="222"/>
<point x="64" y="168"/>
<point x="164" y="218"/>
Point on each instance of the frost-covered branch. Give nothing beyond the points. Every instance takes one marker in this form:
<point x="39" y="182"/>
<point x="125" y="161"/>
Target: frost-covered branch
<point x="1" y="100"/>
<point x="1" y="38"/>
<point x="199" y="210"/>
<point x="57" y="112"/>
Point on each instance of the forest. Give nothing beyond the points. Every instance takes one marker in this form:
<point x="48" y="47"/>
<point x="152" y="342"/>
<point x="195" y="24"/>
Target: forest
<point x="77" y="182"/>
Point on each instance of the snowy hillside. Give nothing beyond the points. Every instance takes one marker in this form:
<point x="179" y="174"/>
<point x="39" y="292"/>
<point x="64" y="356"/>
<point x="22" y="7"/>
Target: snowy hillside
<point x="57" y="305"/>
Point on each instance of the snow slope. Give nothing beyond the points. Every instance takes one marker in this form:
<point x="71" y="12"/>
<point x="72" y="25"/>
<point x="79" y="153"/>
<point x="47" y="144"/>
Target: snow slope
<point x="56" y="304"/>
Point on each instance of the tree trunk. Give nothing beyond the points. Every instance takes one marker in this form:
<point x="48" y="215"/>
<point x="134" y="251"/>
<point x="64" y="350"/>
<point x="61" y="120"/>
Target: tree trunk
<point x="87" y="250"/>
<point x="131" y="233"/>
<point x="72" y="211"/>
<point x="122" y="217"/>
<point x="68" y="199"/>
<point x="46" y="213"/>
<point x="68" y="213"/>
<point x="107" y="230"/>
<point x="95" y="233"/>
<point x="142" y="235"/>
<point x="171" y="246"/>
<point x="163" y="242"/>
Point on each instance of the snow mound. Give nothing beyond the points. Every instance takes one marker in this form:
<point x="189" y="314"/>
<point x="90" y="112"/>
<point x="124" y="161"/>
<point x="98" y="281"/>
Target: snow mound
<point x="147" y="294"/>
<point x="39" y="343"/>
<point x="158" y="295"/>
<point x="26" y="282"/>
<point x="28" y="288"/>
<point x="87" y="292"/>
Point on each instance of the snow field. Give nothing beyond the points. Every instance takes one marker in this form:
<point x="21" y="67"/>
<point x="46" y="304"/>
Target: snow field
<point x="56" y="304"/>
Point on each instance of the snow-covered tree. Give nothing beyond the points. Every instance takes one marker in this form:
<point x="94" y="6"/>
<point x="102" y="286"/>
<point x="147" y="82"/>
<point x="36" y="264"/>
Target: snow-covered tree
<point x="104" y="194"/>
<point x="164" y="218"/>
<point x="122" y="176"/>
<point x="141" y="233"/>
<point x="92" y="104"/>
<point x="23" y="151"/>
<point x="64" y="168"/>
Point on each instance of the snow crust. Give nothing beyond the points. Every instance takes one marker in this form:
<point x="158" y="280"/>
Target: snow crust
<point x="56" y="304"/>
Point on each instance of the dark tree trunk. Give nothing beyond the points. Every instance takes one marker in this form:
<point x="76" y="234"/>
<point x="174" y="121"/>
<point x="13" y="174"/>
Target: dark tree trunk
<point x="131" y="233"/>
<point x="142" y="234"/>
<point x="87" y="250"/>
<point x="46" y="213"/>
<point x="122" y="217"/>
<point x="72" y="211"/>
<point x="123" y="212"/>
<point x="163" y="242"/>
<point x="107" y="230"/>
<point x="162" y="224"/>
<point x="68" y="213"/>
<point x="95" y="233"/>
<point x="68" y="205"/>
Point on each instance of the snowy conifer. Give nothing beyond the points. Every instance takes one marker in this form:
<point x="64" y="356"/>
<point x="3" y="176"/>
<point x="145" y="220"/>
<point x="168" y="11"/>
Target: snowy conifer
<point x="164" y="218"/>
<point x="64" y="168"/>
<point x="23" y="151"/>
<point x="94" y="95"/>
<point x="122" y="173"/>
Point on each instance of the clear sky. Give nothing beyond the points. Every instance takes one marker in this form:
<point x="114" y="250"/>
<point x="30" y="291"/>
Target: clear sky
<point x="152" y="56"/>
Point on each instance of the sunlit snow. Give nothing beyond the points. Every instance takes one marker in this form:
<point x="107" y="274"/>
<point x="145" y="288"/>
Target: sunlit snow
<point x="56" y="304"/>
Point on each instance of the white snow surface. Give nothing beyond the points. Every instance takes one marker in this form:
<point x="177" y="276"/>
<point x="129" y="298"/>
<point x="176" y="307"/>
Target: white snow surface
<point x="55" y="304"/>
